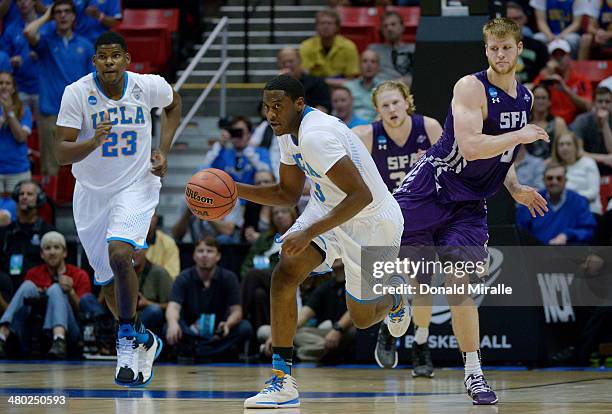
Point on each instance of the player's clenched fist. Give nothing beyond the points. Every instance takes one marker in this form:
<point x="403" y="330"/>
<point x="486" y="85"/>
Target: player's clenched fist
<point x="102" y="130"/>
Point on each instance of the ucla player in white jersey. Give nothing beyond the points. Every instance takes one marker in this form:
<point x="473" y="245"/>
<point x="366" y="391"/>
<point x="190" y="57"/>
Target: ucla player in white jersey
<point x="349" y="208"/>
<point x="104" y="130"/>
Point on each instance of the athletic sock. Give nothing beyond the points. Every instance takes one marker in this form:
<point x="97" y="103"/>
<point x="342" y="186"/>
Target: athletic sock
<point x="282" y="359"/>
<point x="421" y="335"/>
<point x="58" y="336"/>
<point x="472" y="363"/>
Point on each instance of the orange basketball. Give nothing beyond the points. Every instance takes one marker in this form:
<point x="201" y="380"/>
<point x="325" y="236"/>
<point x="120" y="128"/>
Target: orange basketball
<point x="211" y="194"/>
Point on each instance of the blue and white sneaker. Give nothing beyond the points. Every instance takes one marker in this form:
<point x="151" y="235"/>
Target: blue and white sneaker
<point x="147" y="354"/>
<point x="127" y="370"/>
<point x="281" y="392"/>
<point x="398" y="319"/>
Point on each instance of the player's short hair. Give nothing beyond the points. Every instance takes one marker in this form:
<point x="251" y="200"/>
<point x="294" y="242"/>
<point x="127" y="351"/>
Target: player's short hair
<point x="329" y="13"/>
<point x="397" y="86"/>
<point x="501" y="28"/>
<point x="209" y="241"/>
<point x="292" y="87"/>
<point x="60" y="2"/>
<point x="111" y="38"/>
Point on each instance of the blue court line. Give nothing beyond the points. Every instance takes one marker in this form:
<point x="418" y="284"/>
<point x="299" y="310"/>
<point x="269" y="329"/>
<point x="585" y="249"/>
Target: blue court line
<point x="192" y="394"/>
<point x="303" y="365"/>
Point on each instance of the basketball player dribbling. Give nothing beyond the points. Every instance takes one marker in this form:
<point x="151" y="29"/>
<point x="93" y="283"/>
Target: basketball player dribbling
<point x="104" y="130"/>
<point x="349" y="208"/>
<point x="443" y="197"/>
<point x="396" y="143"/>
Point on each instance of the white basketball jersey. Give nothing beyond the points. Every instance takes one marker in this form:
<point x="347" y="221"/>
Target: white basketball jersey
<point x="125" y="156"/>
<point x="322" y="141"/>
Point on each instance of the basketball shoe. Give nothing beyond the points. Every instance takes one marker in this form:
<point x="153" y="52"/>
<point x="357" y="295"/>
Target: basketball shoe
<point x="421" y="361"/>
<point x="385" y="352"/>
<point x="135" y="355"/>
<point x="281" y="392"/>
<point x="479" y="391"/>
<point x="398" y="319"/>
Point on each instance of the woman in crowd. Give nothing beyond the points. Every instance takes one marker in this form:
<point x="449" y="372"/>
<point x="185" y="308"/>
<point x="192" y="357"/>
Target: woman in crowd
<point x="555" y="126"/>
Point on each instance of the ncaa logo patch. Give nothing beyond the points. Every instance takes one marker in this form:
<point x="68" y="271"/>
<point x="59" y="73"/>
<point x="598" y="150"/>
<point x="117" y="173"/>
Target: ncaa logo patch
<point x="493" y="92"/>
<point x="381" y="140"/>
<point x="92" y="100"/>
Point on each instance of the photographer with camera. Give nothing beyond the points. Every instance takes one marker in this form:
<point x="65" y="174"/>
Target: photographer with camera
<point x="570" y="91"/>
<point x="233" y="155"/>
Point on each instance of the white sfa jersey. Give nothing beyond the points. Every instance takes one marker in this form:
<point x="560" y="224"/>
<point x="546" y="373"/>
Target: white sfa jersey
<point x="125" y="156"/>
<point x="322" y="141"/>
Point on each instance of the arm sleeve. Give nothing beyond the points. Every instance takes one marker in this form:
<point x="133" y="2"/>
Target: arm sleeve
<point x="26" y="120"/>
<point x="70" y="110"/>
<point x="582" y="7"/>
<point x="584" y="226"/>
<point x="160" y="91"/>
<point x="233" y="293"/>
<point x="114" y="9"/>
<point x="538" y="4"/>
<point x="178" y="289"/>
<point x="285" y="156"/>
<point x="322" y="150"/>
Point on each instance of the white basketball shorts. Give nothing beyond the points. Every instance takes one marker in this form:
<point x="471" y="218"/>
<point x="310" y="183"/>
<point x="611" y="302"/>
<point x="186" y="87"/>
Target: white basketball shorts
<point x="124" y="215"/>
<point x="345" y="242"/>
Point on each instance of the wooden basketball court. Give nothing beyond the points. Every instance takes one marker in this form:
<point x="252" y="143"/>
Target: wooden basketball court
<point x="218" y="388"/>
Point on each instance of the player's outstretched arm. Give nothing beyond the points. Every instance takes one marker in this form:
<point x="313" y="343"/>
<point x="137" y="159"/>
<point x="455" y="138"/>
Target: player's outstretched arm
<point x="286" y="193"/>
<point x="468" y="103"/>
<point x="30" y="32"/>
<point x="524" y="194"/>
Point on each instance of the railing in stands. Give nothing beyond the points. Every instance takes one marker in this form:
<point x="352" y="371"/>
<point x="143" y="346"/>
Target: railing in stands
<point x="247" y="13"/>
<point x="220" y="28"/>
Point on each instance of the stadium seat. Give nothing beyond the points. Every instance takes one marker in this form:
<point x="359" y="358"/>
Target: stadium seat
<point x="152" y="17"/>
<point x="594" y="70"/>
<point x="360" y="24"/>
<point x="148" y="44"/>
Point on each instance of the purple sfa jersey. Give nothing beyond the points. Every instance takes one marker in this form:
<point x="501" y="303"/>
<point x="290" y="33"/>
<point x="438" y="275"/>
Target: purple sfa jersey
<point x="460" y="180"/>
<point x="393" y="161"/>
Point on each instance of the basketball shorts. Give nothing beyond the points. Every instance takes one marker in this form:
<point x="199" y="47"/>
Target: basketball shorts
<point x="383" y="228"/>
<point x="124" y="215"/>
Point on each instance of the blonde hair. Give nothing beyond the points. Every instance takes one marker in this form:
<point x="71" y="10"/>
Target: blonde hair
<point x="501" y="28"/>
<point x="399" y="86"/>
<point x="577" y="143"/>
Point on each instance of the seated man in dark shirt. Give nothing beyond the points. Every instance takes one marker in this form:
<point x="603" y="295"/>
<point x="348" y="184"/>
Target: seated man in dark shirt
<point x="204" y="309"/>
<point x="20" y="240"/>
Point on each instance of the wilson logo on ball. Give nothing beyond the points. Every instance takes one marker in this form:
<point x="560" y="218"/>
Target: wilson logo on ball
<point x="194" y="195"/>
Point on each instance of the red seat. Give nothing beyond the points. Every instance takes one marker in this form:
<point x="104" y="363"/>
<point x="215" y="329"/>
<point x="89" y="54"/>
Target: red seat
<point x="149" y="45"/>
<point x="152" y="17"/>
<point x="360" y="24"/>
<point x="594" y="70"/>
<point x="605" y="191"/>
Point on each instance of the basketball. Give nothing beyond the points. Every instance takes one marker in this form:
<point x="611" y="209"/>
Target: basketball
<point x="211" y="194"/>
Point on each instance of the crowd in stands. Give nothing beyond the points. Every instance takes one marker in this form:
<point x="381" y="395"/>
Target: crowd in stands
<point x="209" y="310"/>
